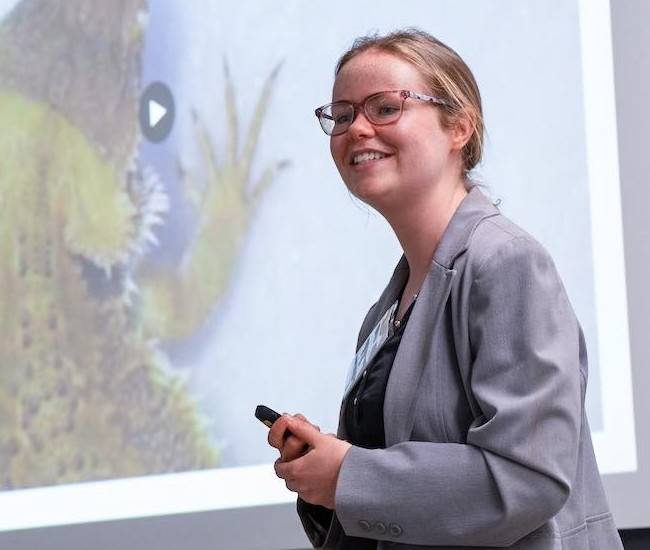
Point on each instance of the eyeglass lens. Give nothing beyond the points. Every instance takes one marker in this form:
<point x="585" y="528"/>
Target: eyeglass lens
<point x="381" y="108"/>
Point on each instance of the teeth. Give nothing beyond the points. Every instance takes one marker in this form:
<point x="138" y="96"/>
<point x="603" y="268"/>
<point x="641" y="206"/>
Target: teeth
<point x="365" y="157"/>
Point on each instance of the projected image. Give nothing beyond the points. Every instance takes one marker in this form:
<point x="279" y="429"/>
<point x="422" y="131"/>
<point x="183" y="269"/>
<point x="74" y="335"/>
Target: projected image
<point x="87" y="391"/>
<point x="178" y="248"/>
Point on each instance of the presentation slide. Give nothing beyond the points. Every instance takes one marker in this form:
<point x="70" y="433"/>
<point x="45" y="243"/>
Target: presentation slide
<point x="177" y="246"/>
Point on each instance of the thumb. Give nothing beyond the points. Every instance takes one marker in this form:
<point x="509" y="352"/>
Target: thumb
<point x="303" y="430"/>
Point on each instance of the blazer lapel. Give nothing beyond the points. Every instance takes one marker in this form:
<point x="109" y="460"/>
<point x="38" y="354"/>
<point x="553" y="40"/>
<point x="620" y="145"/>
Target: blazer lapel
<point x="422" y="333"/>
<point x="413" y="354"/>
<point x="387" y="298"/>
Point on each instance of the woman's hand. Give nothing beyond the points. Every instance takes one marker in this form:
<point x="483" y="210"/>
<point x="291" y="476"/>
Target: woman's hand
<point x="280" y="437"/>
<point x="309" y="461"/>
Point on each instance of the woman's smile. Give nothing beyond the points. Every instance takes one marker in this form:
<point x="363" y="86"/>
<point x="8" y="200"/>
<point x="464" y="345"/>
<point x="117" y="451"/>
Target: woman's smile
<point x="366" y="157"/>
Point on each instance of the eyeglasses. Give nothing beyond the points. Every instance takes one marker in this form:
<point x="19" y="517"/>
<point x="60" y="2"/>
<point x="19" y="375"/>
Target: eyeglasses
<point x="380" y="108"/>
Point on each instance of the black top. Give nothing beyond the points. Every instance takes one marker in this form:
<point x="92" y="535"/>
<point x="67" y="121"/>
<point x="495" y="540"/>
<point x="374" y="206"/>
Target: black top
<point x="364" y="411"/>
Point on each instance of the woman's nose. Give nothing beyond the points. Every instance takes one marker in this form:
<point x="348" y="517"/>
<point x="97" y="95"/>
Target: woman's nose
<point x="361" y="126"/>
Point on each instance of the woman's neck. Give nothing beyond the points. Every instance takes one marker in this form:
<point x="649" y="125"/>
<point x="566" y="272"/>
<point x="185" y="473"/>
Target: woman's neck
<point x="420" y="229"/>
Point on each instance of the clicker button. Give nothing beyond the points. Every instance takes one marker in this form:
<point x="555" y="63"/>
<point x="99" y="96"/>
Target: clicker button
<point x="395" y="529"/>
<point x="365" y="525"/>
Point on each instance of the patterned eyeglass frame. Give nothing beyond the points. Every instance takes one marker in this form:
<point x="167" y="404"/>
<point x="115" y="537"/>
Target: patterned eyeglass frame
<point x="405" y="94"/>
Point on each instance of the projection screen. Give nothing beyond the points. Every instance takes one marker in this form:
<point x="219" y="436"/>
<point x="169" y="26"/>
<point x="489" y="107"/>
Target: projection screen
<point x="178" y="246"/>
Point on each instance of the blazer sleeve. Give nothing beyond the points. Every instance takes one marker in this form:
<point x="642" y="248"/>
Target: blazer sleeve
<point x="515" y="469"/>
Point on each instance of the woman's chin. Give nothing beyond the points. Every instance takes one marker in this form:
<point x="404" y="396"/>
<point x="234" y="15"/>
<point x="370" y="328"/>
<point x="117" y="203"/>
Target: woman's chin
<point x="370" y="192"/>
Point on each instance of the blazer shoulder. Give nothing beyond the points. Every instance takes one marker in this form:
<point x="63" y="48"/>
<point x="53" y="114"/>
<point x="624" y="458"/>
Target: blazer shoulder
<point x="500" y="235"/>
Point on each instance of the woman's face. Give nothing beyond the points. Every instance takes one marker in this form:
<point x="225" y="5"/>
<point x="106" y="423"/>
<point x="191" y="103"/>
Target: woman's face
<point x="396" y="164"/>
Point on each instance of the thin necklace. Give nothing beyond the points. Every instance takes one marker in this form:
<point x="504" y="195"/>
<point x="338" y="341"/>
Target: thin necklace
<point x="398" y="322"/>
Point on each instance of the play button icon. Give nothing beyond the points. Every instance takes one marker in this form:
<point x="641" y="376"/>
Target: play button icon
<point x="156" y="112"/>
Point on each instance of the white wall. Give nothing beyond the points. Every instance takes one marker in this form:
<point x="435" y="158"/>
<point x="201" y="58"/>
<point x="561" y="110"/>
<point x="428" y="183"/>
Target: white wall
<point x="629" y="494"/>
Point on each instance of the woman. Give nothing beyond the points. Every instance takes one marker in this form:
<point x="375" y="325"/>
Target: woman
<point x="463" y="423"/>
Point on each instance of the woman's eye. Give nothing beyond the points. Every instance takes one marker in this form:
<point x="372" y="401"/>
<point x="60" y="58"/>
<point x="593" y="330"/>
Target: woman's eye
<point x="387" y="110"/>
<point x="341" y="119"/>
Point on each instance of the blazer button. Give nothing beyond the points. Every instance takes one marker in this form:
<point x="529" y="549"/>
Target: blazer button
<point x="365" y="526"/>
<point x="395" y="529"/>
<point x="380" y="528"/>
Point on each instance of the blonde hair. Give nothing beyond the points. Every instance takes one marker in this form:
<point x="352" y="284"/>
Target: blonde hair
<point x="444" y="71"/>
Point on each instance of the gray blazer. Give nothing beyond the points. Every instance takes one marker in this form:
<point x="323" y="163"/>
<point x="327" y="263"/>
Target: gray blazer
<point x="487" y="442"/>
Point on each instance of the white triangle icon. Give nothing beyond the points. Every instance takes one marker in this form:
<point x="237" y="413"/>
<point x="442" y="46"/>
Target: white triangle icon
<point x="156" y="113"/>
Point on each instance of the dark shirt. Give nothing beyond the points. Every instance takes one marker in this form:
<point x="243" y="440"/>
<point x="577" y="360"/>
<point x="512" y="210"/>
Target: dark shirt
<point x="364" y="411"/>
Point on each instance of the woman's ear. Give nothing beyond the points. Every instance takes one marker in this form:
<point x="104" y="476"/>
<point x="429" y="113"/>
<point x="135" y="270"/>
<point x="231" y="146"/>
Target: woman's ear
<point x="462" y="130"/>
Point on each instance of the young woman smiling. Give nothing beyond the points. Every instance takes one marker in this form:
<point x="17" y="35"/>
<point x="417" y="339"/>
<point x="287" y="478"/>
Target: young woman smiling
<point x="463" y="422"/>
